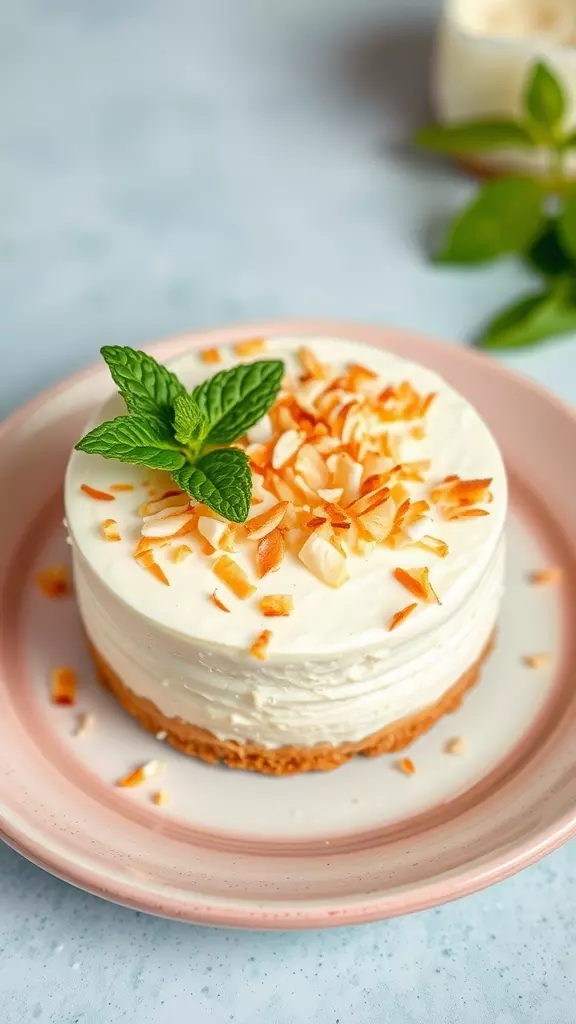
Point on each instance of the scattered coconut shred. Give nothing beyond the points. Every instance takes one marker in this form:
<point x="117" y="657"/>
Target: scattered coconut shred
<point x="328" y="455"/>
<point x="546" y="577"/>
<point x="54" y="581"/>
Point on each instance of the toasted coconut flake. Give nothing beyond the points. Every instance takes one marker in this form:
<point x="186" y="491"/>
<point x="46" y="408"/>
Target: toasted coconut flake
<point x="413" y="471"/>
<point x="259" y="455"/>
<point x="168" y="504"/>
<point x="466" y="513"/>
<point x="311" y="466"/>
<point x="259" y="648"/>
<point x="270" y="552"/>
<point x="92" y="492"/>
<point x="277" y="604"/>
<point x="330" y="494"/>
<point x="335" y="513"/>
<point x="400" y="616"/>
<point x="84" y="723"/>
<point x="406" y="766"/>
<point x="147" y="561"/>
<point x="374" y="483"/>
<point x="210" y="355"/>
<point x="294" y="539"/>
<point x="537" y="660"/>
<point x="417" y="582"/>
<point x="219" y="604"/>
<point x="286" y="447"/>
<point x="359" y="375"/>
<point x="121" y="487"/>
<point x="161" y="797"/>
<point x="310" y="364"/>
<point x="346" y="474"/>
<point x="212" y="530"/>
<point x="255" y="500"/>
<point x="167" y="526"/>
<point x="379" y="520"/>
<point x="285" y="420"/>
<point x="455" y="746"/>
<point x="426" y="403"/>
<point x="435" y="545"/>
<point x="63" y="686"/>
<point x="251" y="347"/>
<point x="400" y="495"/>
<point x="415" y="529"/>
<point x="231" y="535"/>
<point x="140" y="775"/>
<point x="441" y="490"/>
<point x="316" y="521"/>
<point x="180" y="553"/>
<point x="369" y="501"/>
<point x="416" y="511"/>
<point x="54" y="581"/>
<point x="263" y="524"/>
<point x="470" y="490"/>
<point x="546" y="577"/>
<point x="227" y="570"/>
<point x="307" y="395"/>
<point x="278" y="487"/>
<point x="323" y="559"/>
<point x="147" y="543"/>
<point x="111" y="530"/>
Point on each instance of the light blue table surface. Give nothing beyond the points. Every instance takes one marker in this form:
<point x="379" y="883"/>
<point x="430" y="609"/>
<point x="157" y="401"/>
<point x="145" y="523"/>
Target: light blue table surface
<point x="171" y="165"/>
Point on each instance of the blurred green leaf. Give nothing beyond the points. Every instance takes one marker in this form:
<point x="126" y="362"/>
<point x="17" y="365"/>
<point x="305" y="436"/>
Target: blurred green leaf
<point x="506" y="216"/>
<point x="567" y="223"/>
<point x="534" y="319"/>
<point x="473" y="136"/>
<point x="544" y="97"/>
<point x="547" y="254"/>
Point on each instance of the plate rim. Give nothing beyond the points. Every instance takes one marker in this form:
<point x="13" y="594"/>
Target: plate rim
<point x="231" y="912"/>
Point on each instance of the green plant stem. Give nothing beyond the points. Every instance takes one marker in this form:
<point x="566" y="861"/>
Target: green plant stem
<point x="557" y="166"/>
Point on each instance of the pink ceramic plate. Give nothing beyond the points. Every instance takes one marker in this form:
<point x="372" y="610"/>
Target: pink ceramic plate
<point x="361" y="843"/>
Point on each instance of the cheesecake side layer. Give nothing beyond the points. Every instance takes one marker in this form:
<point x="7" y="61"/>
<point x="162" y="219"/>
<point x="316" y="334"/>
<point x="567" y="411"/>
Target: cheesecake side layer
<point x="287" y="760"/>
<point x="288" y="700"/>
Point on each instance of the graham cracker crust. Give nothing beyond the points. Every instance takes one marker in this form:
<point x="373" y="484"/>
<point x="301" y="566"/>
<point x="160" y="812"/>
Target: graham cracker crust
<point x="289" y="760"/>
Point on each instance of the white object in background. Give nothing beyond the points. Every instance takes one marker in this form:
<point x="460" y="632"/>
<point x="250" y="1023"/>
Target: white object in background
<point x="485" y="50"/>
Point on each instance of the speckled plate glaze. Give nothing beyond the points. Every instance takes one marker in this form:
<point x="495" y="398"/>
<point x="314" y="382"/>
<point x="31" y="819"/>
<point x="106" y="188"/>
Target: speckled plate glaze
<point x="361" y="843"/>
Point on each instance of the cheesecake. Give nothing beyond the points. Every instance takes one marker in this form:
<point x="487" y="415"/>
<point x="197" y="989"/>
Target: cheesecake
<point x="354" y="604"/>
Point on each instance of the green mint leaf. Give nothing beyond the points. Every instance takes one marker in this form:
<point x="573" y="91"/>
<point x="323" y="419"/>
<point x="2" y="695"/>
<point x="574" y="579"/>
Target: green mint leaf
<point x="190" y="424"/>
<point x="234" y="400"/>
<point x="145" y="385"/>
<point x="544" y="97"/>
<point x="567" y="224"/>
<point x="474" y="136"/>
<point x="222" y="480"/>
<point x="141" y="440"/>
<point x="547" y="254"/>
<point x="505" y="217"/>
<point x="535" y="318"/>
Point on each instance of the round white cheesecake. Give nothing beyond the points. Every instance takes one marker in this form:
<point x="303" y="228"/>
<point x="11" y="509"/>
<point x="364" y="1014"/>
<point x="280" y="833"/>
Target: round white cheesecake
<point x="334" y="672"/>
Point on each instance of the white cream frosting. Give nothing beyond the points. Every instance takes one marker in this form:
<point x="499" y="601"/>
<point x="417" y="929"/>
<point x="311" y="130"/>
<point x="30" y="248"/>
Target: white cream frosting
<point x="334" y="672"/>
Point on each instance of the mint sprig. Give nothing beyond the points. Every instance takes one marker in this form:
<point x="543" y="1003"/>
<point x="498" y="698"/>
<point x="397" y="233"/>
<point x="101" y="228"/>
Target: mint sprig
<point x="222" y="480"/>
<point x="534" y="218"/>
<point x="168" y="428"/>
<point x="234" y="400"/>
<point x="145" y="385"/>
